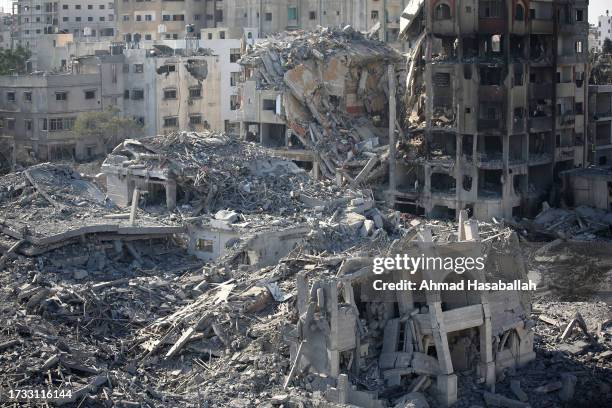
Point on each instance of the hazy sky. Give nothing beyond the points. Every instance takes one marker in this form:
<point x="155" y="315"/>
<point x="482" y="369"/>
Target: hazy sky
<point x="596" y="8"/>
<point x="5" y="5"/>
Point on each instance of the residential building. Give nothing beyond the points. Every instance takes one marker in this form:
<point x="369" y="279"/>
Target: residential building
<point x="6" y="30"/>
<point x="156" y="20"/>
<point x="39" y="112"/>
<point x="153" y="20"/>
<point x="35" y="18"/>
<point x="604" y="25"/>
<point x="92" y="20"/>
<point x="594" y="39"/>
<point x="272" y="16"/>
<point x="600" y="124"/>
<point x="167" y="92"/>
<point x="228" y="43"/>
<point x="506" y="85"/>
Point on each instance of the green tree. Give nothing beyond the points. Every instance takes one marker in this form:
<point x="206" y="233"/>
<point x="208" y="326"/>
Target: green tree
<point x="13" y="61"/>
<point x="107" y="126"/>
<point x="607" y="46"/>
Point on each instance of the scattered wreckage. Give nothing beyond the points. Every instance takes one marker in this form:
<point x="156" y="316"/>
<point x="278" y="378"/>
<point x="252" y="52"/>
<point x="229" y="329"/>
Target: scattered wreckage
<point x="331" y="91"/>
<point x="125" y="318"/>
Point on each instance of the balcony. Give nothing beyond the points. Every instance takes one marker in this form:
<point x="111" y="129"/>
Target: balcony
<point x="518" y="125"/>
<point x="542" y="26"/>
<point x="573" y="28"/>
<point x="537" y="159"/>
<point x="489" y="161"/>
<point x="564" y="153"/>
<point x="541" y="91"/>
<point x="540" y="124"/>
<point x="572" y="58"/>
<point x="566" y="119"/>
<point x="492" y="124"/>
<point x="603" y="115"/>
<point x="492" y="25"/>
<point x="443" y="27"/>
<point x="491" y="93"/>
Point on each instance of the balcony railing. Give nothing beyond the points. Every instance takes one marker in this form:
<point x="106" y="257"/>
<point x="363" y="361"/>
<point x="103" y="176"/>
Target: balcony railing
<point x="604" y="114"/>
<point x="541" y="91"/>
<point x="540" y="123"/>
<point x="539" y="159"/>
<point x="491" y="124"/>
<point x="491" y="93"/>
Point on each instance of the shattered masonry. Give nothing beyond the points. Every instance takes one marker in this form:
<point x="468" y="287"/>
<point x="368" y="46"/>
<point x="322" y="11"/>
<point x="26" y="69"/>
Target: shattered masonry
<point x="495" y="104"/>
<point x="321" y="98"/>
<point x="414" y="336"/>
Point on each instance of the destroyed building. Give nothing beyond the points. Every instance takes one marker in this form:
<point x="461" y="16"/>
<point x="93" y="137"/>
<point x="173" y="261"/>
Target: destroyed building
<point x="590" y="187"/>
<point x="353" y="334"/>
<point x="207" y="173"/>
<point x="496" y="102"/>
<point x="321" y="99"/>
<point x="113" y="299"/>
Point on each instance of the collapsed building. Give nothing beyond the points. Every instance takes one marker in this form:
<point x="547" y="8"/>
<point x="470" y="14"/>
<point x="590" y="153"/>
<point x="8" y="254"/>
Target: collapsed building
<point x="228" y="191"/>
<point x="321" y="98"/>
<point x="496" y="104"/>
<point x="350" y="333"/>
<point x="252" y="291"/>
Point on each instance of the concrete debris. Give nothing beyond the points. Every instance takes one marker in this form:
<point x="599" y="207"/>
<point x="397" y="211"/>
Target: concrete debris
<point x="206" y="172"/>
<point x="214" y="271"/>
<point x="582" y="224"/>
<point x="333" y="96"/>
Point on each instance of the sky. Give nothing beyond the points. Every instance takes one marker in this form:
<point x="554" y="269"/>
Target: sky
<point x="5" y="5"/>
<point x="596" y="8"/>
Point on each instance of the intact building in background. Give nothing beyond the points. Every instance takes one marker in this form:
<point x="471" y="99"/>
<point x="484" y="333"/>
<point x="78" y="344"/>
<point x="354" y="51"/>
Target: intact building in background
<point x="85" y="20"/>
<point x="38" y="112"/>
<point x="156" y="20"/>
<point x="497" y="101"/>
<point x="604" y="26"/>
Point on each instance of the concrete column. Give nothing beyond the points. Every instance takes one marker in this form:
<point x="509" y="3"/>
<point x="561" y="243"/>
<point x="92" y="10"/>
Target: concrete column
<point x="171" y="194"/>
<point x="316" y="171"/>
<point x="487" y="365"/>
<point x="392" y="142"/>
<point x="135" y="200"/>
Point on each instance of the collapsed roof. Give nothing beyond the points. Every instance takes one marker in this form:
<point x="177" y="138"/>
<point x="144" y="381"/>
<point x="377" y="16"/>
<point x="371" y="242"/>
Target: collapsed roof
<point x="218" y="172"/>
<point x="335" y="86"/>
<point x="49" y="205"/>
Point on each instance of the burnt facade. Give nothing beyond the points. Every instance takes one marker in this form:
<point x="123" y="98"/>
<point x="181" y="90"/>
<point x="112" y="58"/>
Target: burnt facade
<point x="496" y="101"/>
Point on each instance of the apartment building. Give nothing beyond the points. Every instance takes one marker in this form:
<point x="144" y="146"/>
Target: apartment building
<point x="227" y="43"/>
<point x="600" y="124"/>
<point x="39" y="111"/>
<point x="166" y="92"/>
<point x="604" y="26"/>
<point x="92" y="20"/>
<point x="34" y="18"/>
<point x="506" y="85"/>
<point x="274" y="15"/>
<point x="161" y="19"/>
<point x="6" y="30"/>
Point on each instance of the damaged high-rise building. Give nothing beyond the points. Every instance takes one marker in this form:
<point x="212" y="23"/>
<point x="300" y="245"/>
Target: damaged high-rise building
<point x="495" y="105"/>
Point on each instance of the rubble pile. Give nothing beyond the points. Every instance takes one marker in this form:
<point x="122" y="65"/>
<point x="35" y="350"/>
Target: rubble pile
<point x="581" y="223"/>
<point x="336" y="93"/>
<point x="118" y="305"/>
<point x="49" y="205"/>
<point x="215" y="171"/>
